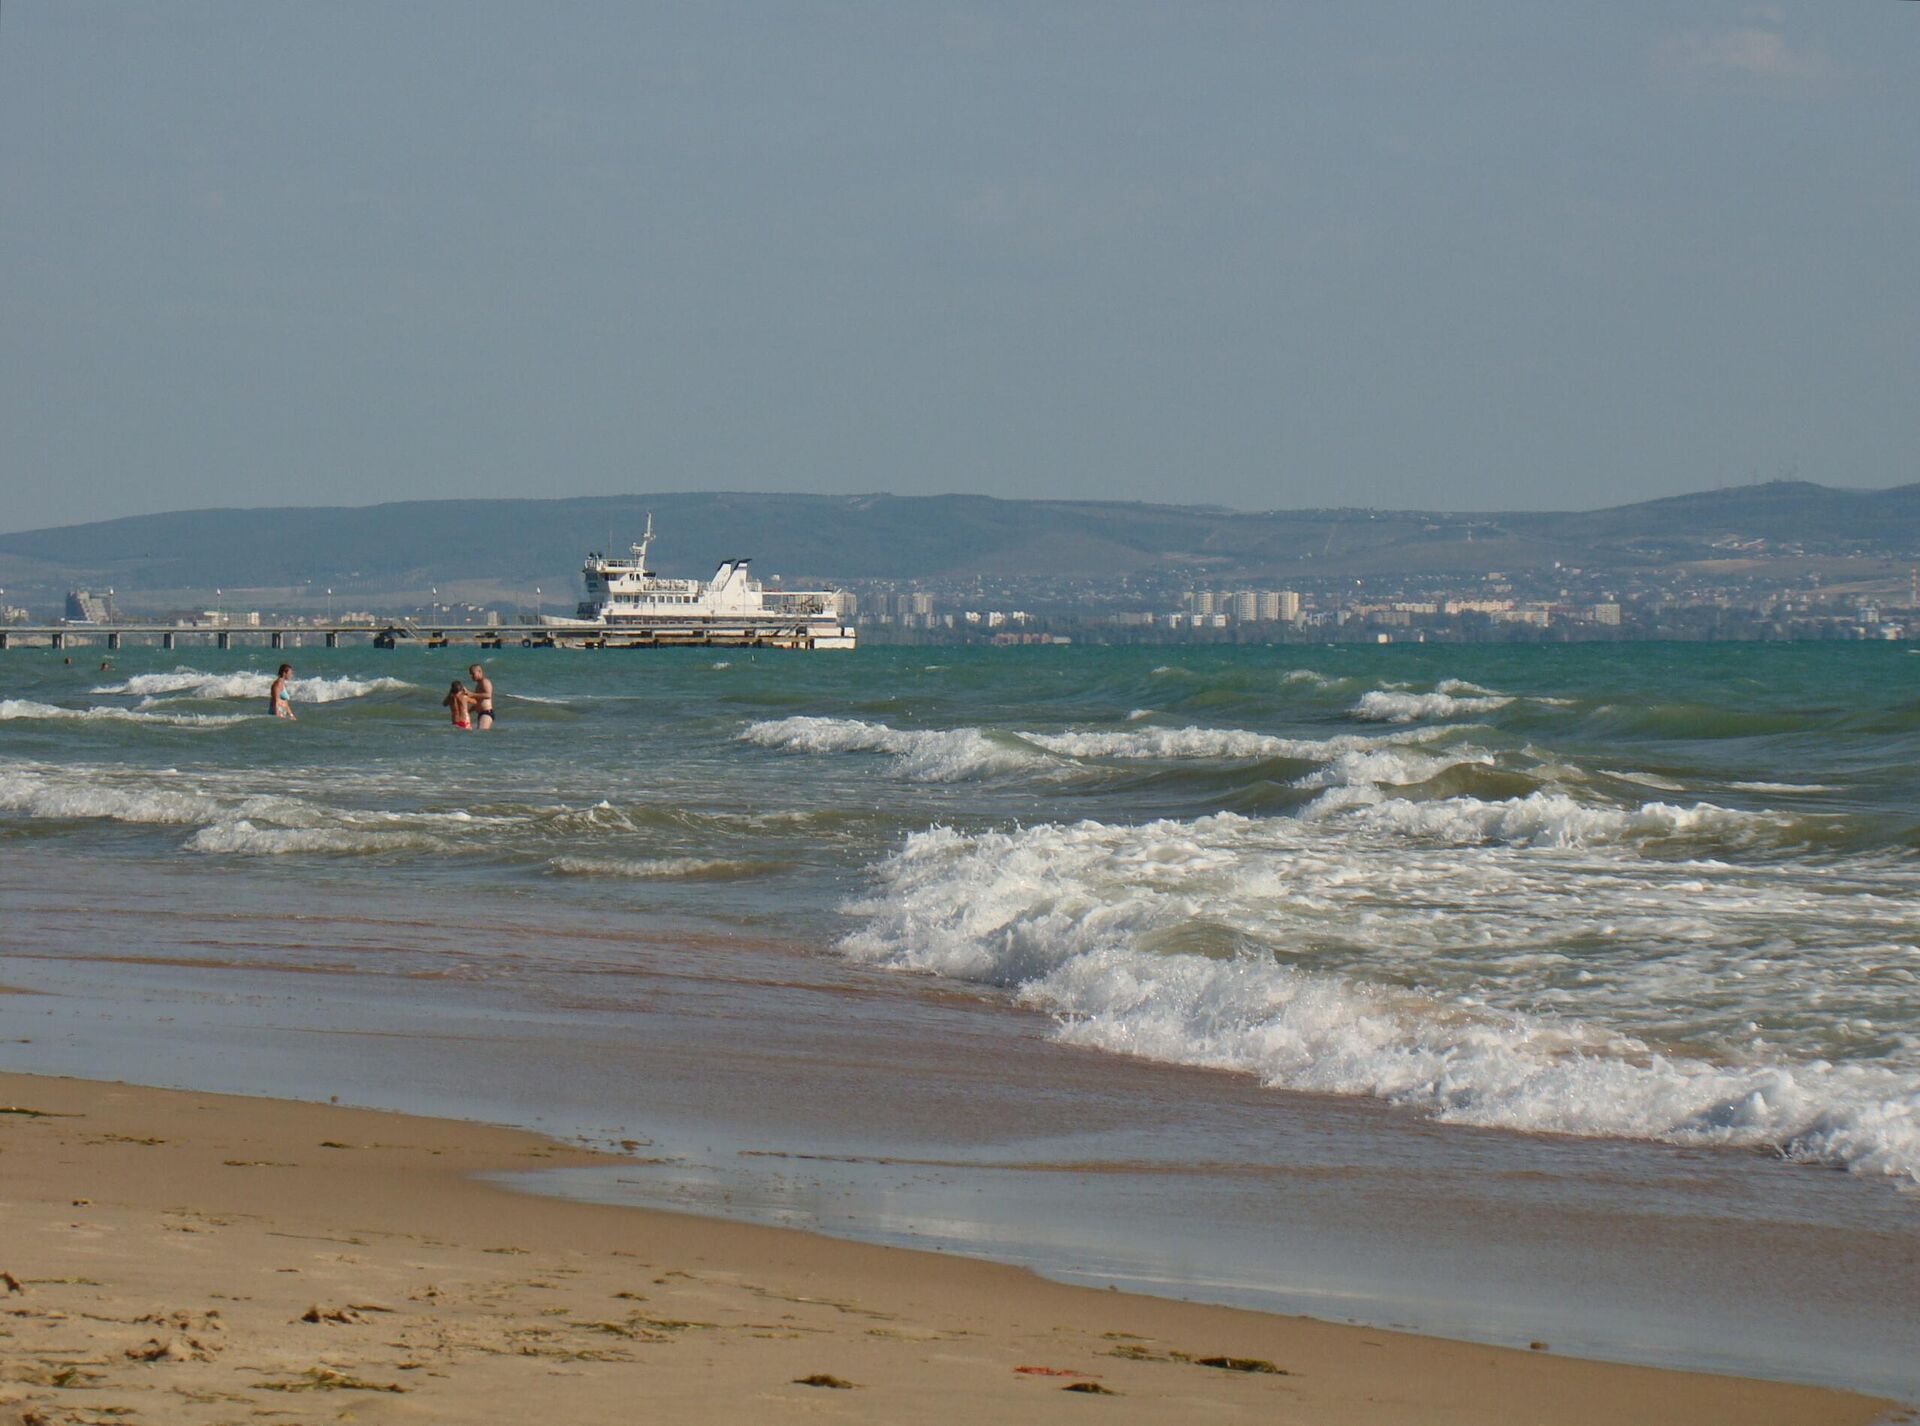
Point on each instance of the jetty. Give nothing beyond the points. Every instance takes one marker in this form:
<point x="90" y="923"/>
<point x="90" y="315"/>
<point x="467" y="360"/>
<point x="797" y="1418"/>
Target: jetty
<point x="799" y="633"/>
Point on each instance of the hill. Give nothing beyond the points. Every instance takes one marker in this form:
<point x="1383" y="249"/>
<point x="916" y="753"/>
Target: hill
<point x="515" y="544"/>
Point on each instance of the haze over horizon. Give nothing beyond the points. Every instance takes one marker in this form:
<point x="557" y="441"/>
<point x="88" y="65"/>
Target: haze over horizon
<point x="1485" y="257"/>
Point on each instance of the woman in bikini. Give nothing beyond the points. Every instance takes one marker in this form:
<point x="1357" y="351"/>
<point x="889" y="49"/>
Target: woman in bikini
<point x="460" y="703"/>
<point x="277" y="703"/>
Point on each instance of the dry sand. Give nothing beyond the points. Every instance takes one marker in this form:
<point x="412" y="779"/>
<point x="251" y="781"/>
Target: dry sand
<point x="197" y="1258"/>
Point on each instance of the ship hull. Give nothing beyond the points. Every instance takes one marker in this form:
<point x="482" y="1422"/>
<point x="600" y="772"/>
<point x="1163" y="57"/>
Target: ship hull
<point x="697" y="632"/>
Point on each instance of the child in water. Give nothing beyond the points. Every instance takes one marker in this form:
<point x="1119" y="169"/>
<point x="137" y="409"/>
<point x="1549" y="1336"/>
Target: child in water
<point x="460" y="703"/>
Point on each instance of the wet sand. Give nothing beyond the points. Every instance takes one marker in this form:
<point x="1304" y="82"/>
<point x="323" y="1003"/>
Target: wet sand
<point x="190" y="1258"/>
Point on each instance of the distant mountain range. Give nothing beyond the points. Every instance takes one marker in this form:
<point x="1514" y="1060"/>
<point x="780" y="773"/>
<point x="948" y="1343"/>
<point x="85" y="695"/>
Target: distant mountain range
<point x="510" y="545"/>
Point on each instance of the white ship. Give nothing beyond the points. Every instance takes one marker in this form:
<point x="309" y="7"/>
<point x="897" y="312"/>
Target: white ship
<point x="628" y="604"/>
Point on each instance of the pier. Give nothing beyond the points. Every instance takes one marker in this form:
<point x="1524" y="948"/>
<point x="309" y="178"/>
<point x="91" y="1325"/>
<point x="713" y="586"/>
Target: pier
<point x="394" y="633"/>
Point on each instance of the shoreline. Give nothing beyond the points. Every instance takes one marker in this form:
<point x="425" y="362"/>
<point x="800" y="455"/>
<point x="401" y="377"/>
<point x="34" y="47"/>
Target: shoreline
<point x="168" y="1245"/>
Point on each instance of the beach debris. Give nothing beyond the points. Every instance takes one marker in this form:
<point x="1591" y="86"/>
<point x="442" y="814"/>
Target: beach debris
<point x="633" y="1331"/>
<point x="257" y="1164"/>
<point x="825" y="1379"/>
<point x="1241" y="1364"/>
<point x="1536" y="1346"/>
<point x="171" y="1349"/>
<point x="12" y="1284"/>
<point x="334" y="1144"/>
<point x="327" y="1379"/>
<point x="1128" y="1352"/>
<point x="128" y="1139"/>
<point x="181" y="1320"/>
<point x="26" y="1113"/>
<point x="317" y="1313"/>
<point x="62" y="1376"/>
<point x="1053" y="1371"/>
<point x="1092" y="1388"/>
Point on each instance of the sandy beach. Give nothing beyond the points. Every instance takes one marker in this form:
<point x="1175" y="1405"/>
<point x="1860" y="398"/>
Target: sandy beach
<point x="197" y="1258"/>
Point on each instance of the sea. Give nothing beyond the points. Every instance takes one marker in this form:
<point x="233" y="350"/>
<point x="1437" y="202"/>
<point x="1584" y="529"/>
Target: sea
<point x="1506" y="992"/>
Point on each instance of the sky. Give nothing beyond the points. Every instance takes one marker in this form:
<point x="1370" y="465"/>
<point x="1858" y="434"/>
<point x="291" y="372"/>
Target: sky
<point x="1467" y="256"/>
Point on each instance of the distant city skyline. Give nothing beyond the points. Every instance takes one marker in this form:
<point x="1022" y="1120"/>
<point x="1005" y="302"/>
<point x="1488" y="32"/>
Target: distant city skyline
<point x="1478" y="257"/>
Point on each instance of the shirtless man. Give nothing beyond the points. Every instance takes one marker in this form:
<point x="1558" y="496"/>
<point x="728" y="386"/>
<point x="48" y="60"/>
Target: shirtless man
<point x="482" y="697"/>
<point x="277" y="695"/>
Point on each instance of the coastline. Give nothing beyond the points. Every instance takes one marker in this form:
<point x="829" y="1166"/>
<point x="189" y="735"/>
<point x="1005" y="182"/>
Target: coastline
<point x="198" y="1230"/>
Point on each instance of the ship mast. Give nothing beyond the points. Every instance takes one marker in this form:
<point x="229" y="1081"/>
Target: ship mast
<point x="640" y="550"/>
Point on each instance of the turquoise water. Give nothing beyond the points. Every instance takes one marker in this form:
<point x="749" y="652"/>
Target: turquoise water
<point x="1628" y="891"/>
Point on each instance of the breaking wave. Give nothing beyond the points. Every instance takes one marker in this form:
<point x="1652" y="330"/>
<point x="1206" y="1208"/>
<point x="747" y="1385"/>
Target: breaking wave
<point x="1540" y="819"/>
<point x="950" y="755"/>
<point x="663" y="868"/>
<point x="947" y="755"/>
<point x="76" y="797"/>
<point x="23" y="708"/>
<point x="192" y="683"/>
<point x="1207" y="943"/>
<point x="1382" y="705"/>
<point x="244" y="838"/>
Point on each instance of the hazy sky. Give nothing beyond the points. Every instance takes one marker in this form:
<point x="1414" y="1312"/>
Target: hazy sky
<point x="1462" y="254"/>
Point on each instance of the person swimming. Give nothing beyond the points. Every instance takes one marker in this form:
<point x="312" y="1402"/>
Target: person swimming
<point x="460" y="703"/>
<point x="277" y="703"/>
<point x="482" y="697"/>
